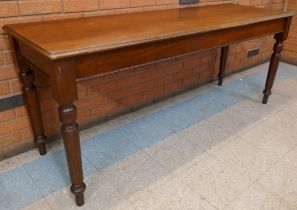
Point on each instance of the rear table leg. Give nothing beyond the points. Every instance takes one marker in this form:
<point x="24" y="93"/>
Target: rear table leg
<point x="31" y="99"/>
<point x="223" y="64"/>
<point x="274" y="62"/>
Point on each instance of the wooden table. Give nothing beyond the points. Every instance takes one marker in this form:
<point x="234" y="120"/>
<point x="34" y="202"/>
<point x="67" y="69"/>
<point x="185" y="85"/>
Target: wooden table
<point x="68" y="50"/>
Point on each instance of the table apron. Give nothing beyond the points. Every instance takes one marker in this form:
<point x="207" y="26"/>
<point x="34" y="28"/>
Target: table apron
<point x="88" y="65"/>
<point x="109" y="61"/>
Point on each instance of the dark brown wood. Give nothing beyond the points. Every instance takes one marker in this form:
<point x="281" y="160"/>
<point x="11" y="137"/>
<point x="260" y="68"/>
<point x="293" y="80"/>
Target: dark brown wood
<point x="275" y="58"/>
<point x="114" y="60"/>
<point x="65" y="93"/>
<point x="72" y="37"/>
<point x="74" y="49"/>
<point x="223" y="64"/>
<point x="26" y="77"/>
<point x="69" y="128"/>
<point x="104" y="62"/>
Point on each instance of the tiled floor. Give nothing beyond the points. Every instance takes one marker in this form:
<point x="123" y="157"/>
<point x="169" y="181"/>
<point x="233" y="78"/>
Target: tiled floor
<point x="210" y="148"/>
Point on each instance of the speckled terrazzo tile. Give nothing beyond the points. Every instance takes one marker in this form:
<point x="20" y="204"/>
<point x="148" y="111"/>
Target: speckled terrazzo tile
<point x="257" y="198"/>
<point x="242" y="87"/>
<point x="268" y="138"/>
<point x="231" y="121"/>
<point x="220" y="96"/>
<point x="177" y="117"/>
<point x="205" y="134"/>
<point x="283" y="122"/>
<point x="38" y="205"/>
<point x="290" y="111"/>
<point x="9" y="164"/>
<point x="245" y="158"/>
<point x="255" y="110"/>
<point x="17" y="189"/>
<point x="175" y="152"/>
<point x="29" y="156"/>
<point x="107" y="148"/>
<point x="134" y="173"/>
<point x="100" y="194"/>
<point x="201" y="169"/>
<point x="291" y="157"/>
<point x="172" y="195"/>
<point x="276" y="101"/>
<point x="50" y="172"/>
<point x="282" y="181"/>
<point x="286" y="87"/>
<point x="98" y="129"/>
<point x="63" y="199"/>
<point x="144" y="132"/>
<point x="216" y="182"/>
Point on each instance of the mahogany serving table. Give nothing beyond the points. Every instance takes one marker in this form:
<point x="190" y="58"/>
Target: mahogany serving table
<point x="68" y="50"/>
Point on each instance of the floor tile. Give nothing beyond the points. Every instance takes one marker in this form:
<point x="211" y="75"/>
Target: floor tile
<point x="50" y="173"/>
<point x="172" y="195"/>
<point x="100" y="194"/>
<point x="144" y="132"/>
<point x="134" y="173"/>
<point x="107" y="148"/>
<point x="215" y="181"/>
<point x="282" y="181"/>
<point x="291" y="157"/>
<point x="177" y="117"/>
<point x="242" y="88"/>
<point x="63" y="199"/>
<point x="231" y="121"/>
<point x="175" y="152"/>
<point x="205" y="134"/>
<point x="268" y="138"/>
<point x="17" y="189"/>
<point x="38" y="205"/>
<point x="257" y="198"/>
<point x="283" y="123"/>
<point x="286" y="87"/>
<point x="245" y="158"/>
<point x="221" y="96"/>
<point x="9" y="164"/>
<point x="254" y="109"/>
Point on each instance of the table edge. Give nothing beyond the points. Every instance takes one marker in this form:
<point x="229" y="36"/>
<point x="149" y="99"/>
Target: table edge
<point x="99" y="48"/>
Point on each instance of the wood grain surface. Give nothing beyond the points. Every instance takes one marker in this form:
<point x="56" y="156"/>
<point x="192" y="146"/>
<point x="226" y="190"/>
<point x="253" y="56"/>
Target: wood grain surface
<point x="65" y="38"/>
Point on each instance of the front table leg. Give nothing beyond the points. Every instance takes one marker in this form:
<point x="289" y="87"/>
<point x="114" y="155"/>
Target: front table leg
<point x="69" y="128"/>
<point x="274" y="62"/>
<point x="64" y="87"/>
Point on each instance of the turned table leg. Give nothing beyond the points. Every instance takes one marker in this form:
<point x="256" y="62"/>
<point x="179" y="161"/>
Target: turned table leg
<point x="274" y="62"/>
<point x="223" y="64"/>
<point x="63" y="82"/>
<point x="31" y="99"/>
<point x="69" y="128"/>
<point x="27" y="79"/>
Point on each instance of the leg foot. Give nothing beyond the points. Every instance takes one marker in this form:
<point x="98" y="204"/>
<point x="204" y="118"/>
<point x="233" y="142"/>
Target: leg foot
<point x="78" y="192"/>
<point x="40" y="144"/>
<point x="265" y="99"/>
<point x="220" y="83"/>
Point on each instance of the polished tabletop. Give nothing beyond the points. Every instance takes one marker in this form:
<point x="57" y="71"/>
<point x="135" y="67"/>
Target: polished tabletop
<point x="64" y="38"/>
